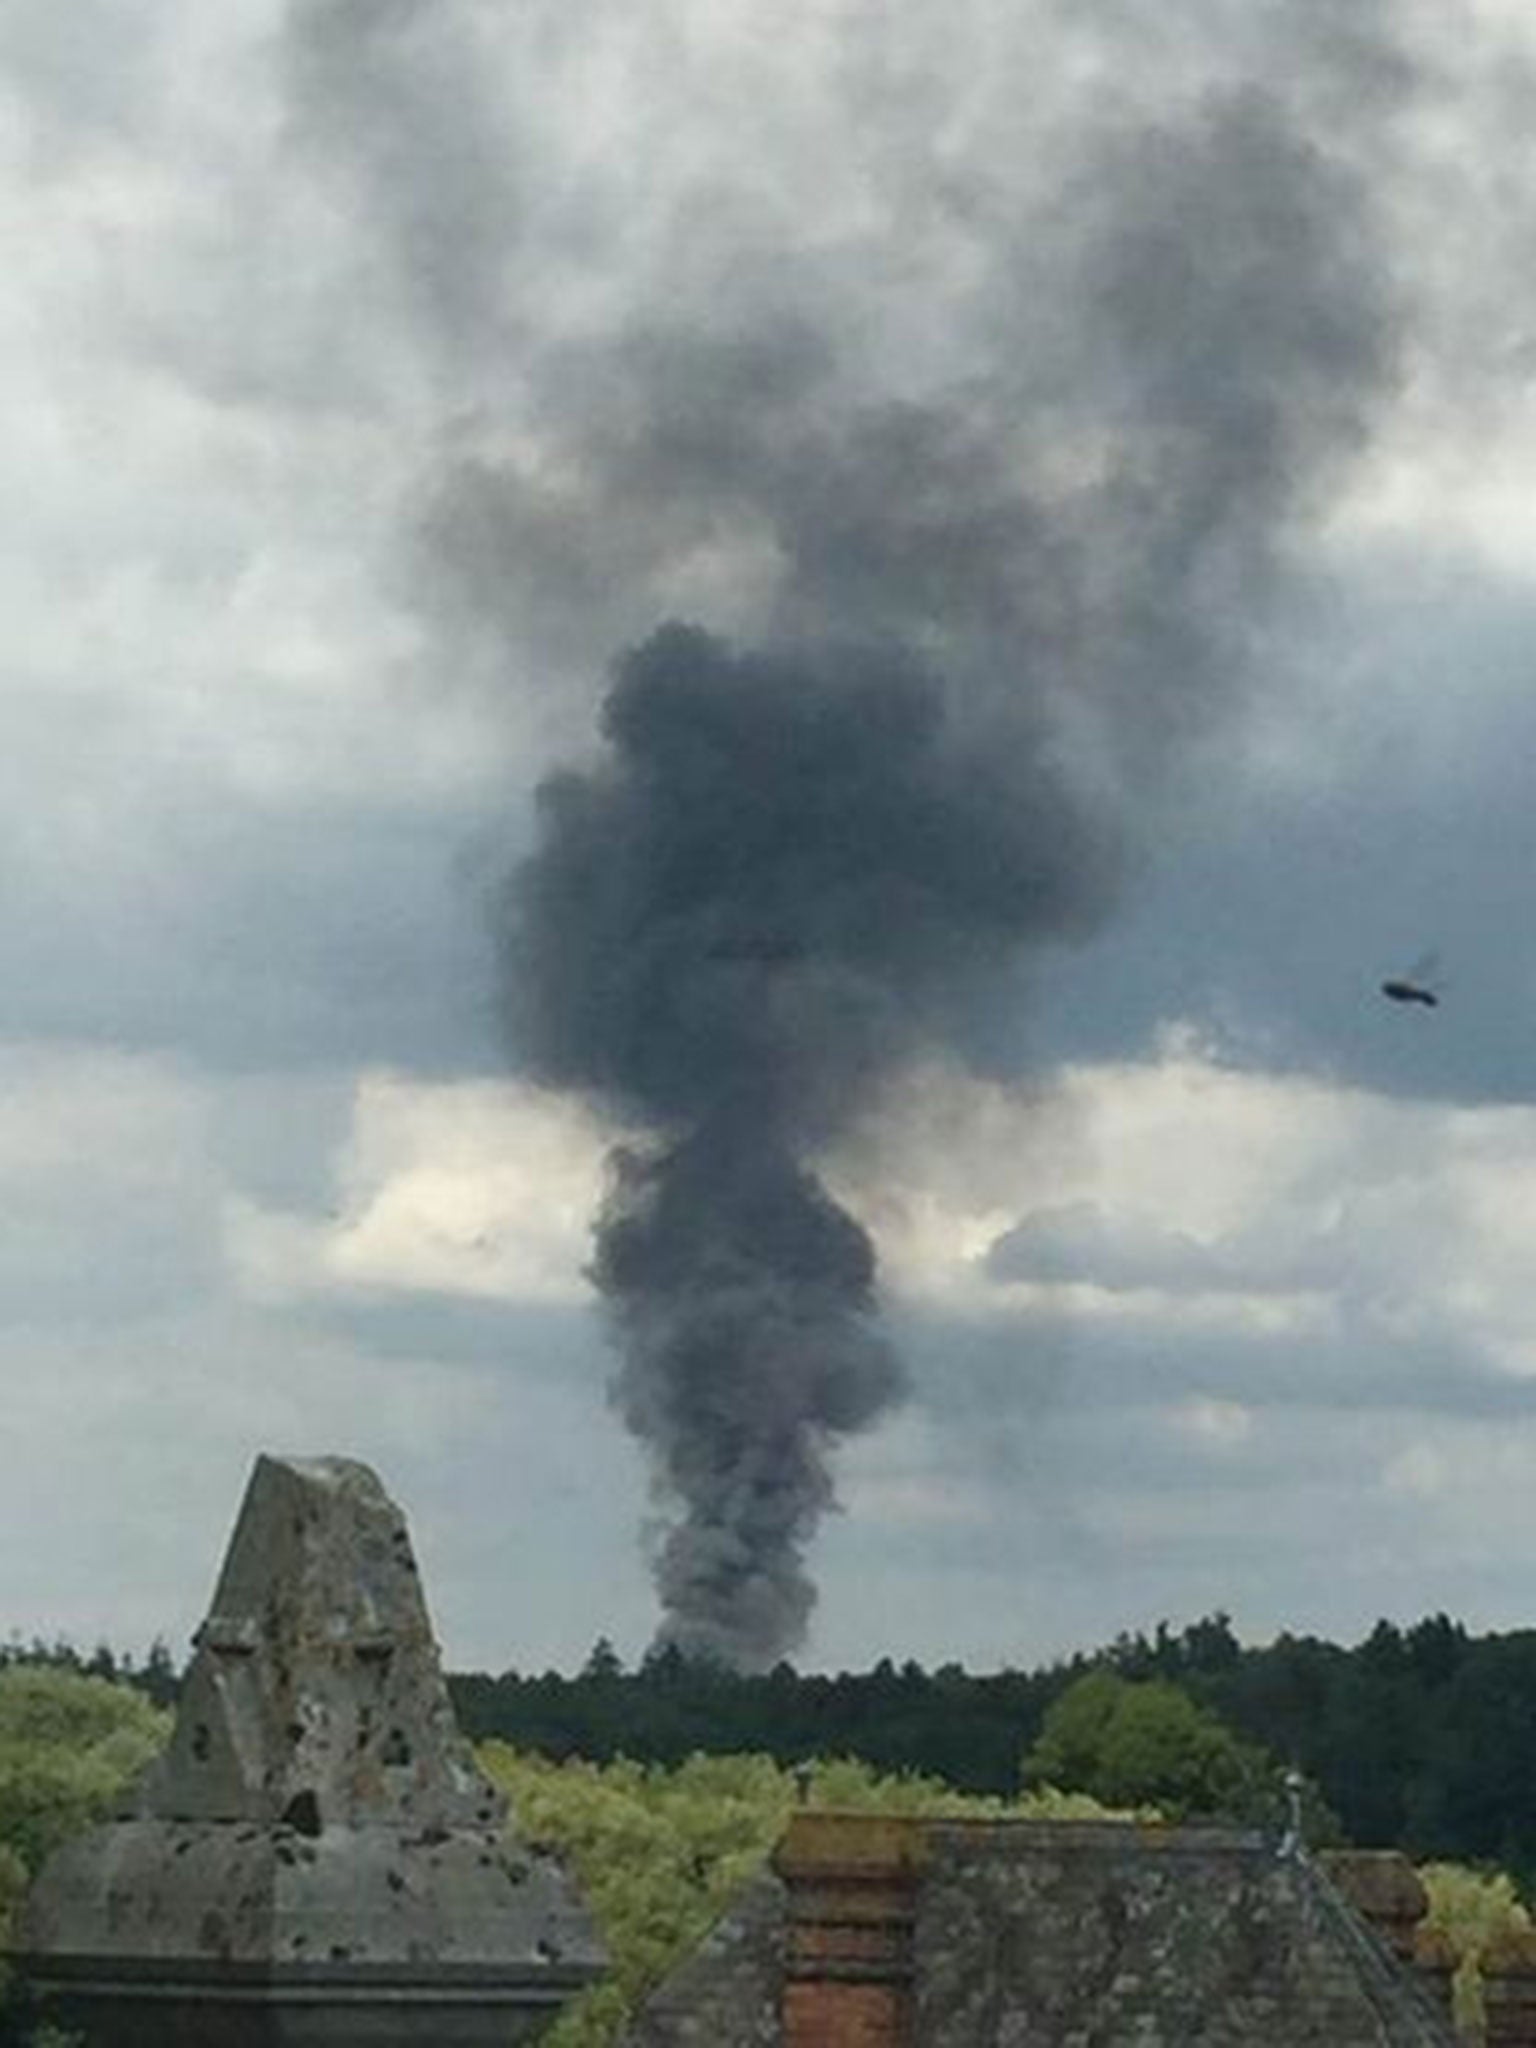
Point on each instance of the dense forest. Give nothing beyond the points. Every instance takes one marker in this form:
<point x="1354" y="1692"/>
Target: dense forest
<point x="665" y="1785"/>
<point x="1422" y="1738"/>
<point x="658" y="1850"/>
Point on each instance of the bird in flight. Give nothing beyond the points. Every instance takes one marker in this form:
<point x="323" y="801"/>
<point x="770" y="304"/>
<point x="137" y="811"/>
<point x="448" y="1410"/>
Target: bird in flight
<point x="1416" y="986"/>
<point x="1410" y="992"/>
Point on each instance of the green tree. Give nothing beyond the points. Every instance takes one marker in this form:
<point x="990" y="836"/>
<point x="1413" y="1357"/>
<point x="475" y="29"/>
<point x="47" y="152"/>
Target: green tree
<point x="658" y="1851"/>
<point x="1147" y="1743"/>
<point x="1475" y="1910"/>
<point x="13" y="1882"/>
<point x="604" y="1661"/>
<point x="69" y="1746"/>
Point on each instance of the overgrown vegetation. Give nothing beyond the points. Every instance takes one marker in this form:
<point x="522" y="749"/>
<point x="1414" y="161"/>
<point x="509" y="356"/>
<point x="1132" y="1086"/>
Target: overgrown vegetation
<point x="1415" y="1738"/>
<point x="154" y="1675"/>
<point x="665" y="1786"/>
<point x="1476" y="1911"/>
<point x="70" y="1745"/>
<point x="658" y="1851"/>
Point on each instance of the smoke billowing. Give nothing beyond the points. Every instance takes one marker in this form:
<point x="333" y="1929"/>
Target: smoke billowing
<point x="974" y="449"/>
<point x="788" y="873"/>
<point x="795" y="869"/>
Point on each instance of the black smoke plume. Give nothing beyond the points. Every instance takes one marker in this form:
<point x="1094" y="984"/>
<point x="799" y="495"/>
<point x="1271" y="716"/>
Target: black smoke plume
<point x="787" y="869"/>
<point x="795" y="868"/>
<point x="980" y="429"/>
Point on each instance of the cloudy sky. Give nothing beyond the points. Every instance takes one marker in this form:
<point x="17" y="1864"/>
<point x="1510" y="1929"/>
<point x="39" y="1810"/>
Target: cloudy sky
<point x="377" y="372"/>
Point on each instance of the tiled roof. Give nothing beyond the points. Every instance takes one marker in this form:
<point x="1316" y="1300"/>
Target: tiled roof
<point x="964" y="1934"/>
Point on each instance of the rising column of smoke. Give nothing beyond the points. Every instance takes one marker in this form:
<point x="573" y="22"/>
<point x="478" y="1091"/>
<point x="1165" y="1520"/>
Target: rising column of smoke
<point x="793" y="868"/>
<point x="730" y="930"/>
<point x="994" y="601"/>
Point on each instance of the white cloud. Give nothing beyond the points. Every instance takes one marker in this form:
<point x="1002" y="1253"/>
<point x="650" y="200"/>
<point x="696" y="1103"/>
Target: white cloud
<point x="1181" y="1188"/>
<point x="481" y="1189"/>
<point x="1173" y="1195"/>
<point x="144" y="1370"/>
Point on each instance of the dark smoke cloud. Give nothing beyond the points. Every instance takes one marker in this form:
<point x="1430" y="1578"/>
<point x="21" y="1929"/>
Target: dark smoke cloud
<point x="794" y="869"/>
<point x="790" y="871"/>
<point x="982" y="489"/>
<point x="744" y="1300"/>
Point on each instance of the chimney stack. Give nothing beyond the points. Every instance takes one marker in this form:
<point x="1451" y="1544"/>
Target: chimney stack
<point x="1509" y="1991"/>
<point x="852" y="1881"/>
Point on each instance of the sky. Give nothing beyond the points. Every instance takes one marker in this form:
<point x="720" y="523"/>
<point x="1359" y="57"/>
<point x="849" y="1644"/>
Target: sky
<point x="379" y="373"/>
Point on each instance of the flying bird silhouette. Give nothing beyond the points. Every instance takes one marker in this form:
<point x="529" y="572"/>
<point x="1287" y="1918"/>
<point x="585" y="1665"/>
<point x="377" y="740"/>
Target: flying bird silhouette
<point x="1410" y="992"/>
<point x="1416" y="986"/>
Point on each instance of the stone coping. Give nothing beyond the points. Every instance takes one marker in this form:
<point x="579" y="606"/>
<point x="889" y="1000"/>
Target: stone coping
<point x="422" y="1983"/>
<point x="1005" y="1833"/>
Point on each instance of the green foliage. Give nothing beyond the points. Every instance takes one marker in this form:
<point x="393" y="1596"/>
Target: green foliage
<point x="658" y="1852"/>
<point x="1472" y="1908"/>
<point x="155" y="1675"/>
<point x="70" y="1710"/>
<point x="1376" y="1728"/>
<point x="13" y="1882"/>
<point x="69" y="1746"/>
<point x="1147" y="1743"/>
<point x="945" y="1724"/>
<point x="1475" y="1910"/>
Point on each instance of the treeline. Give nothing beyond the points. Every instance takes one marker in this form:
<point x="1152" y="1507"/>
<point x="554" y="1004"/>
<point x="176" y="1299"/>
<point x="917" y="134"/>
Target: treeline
<point x="659" y="1850"/>
<point x="967" y="1731"/>
<point x="1421" y="1738"/>
<point x="155" y="1675"/>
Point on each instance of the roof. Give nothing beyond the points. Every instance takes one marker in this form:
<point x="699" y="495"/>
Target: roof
<point x="1059" y="1934"/>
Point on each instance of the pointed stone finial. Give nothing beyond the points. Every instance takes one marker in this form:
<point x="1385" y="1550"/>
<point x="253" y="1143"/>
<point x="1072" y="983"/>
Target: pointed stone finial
<point x="316" y="1855"/>
<point x="315" y="1696"/>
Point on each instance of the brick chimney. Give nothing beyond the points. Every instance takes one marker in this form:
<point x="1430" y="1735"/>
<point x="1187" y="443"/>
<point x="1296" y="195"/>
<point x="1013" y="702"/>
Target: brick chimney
<point x="1509" y="1991"/>
<point x="852" y="1881"/>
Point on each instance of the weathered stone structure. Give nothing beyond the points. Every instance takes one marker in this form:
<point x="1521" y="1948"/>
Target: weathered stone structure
<point x="878" y="1933"/>
<point x="316" y="1861"/>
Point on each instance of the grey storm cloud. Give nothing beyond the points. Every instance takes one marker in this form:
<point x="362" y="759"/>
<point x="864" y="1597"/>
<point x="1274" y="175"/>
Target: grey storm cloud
<point x="1277" y="912"/>
<point x="395" y="86"/>
<point x="1078" y="1243"/>
<point x="84" y="77"/>
<point x="1010" y="1373"/>
<point x="253" y="937"/>
<point x="961" y="608"/>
